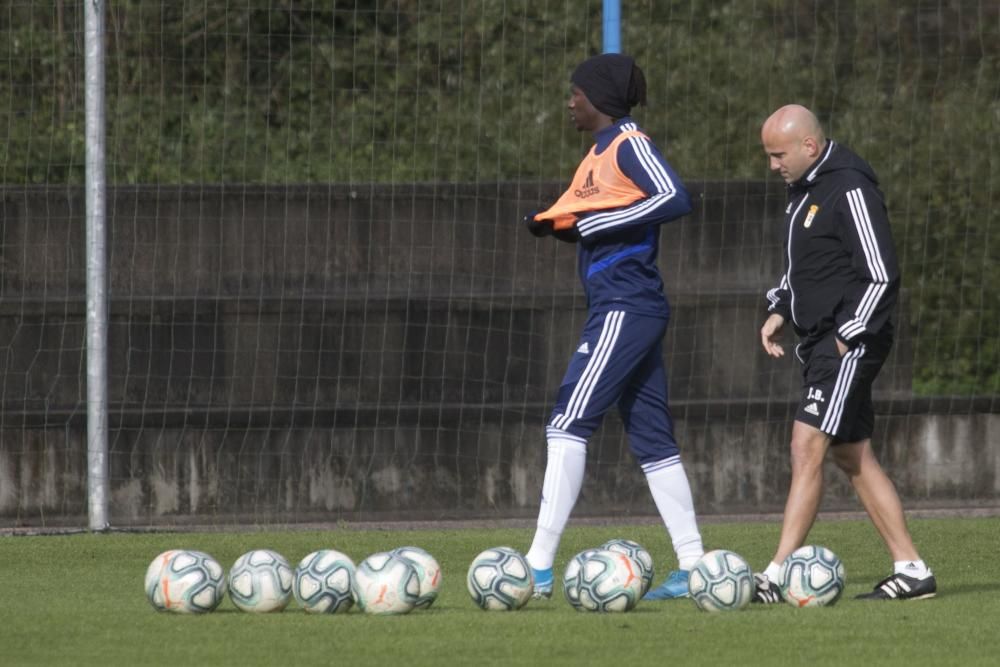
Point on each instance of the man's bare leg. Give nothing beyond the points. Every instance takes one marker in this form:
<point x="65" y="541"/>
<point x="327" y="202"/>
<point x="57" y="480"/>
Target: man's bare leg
<point x="808" y="449"/>
<point x="878" y="496"/>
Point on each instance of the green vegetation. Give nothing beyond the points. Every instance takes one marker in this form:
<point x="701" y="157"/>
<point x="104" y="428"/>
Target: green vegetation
<point x="424" y="90"/>
<point x="78" y="600"/>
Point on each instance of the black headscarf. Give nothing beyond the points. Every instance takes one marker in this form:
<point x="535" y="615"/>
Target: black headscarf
<point x="612" y="82"/>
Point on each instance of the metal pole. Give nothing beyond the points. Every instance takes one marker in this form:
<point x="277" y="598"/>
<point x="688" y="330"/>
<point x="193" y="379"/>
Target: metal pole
<point x="98" y="491"/>
<point x="612" y="26"/>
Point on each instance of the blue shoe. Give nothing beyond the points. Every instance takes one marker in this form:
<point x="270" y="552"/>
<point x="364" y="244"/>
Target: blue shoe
<point x="543" y="583"/>
<point x="674" y="586"/>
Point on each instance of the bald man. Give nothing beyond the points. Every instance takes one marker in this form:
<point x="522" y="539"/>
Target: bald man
<point x="839" y="291"/>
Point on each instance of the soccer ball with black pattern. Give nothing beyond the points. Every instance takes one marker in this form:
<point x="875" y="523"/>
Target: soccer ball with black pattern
<point x="324" y="582"/>
<point x="721" y="581"/>
<point x="185" y="582"/>
<point x="428" y="570"/>
<point x="260" y="582"/>
<point x="609" y="581"/>
<point x="637" y="553"/>
<point x="813" y="576"/>
<point x="571" y="577"/>
<point x="499" y="579"/>
<point x="386" y="584"/>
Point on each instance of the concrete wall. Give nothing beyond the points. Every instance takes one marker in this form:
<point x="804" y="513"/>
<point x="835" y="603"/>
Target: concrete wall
<point x="322" y="352"/>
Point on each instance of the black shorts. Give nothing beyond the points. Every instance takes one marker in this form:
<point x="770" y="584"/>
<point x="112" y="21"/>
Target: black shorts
<point x="837" y="391"/>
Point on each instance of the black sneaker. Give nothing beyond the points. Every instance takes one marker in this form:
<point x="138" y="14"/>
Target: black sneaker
<point x="766" y="591"/>
<point x="902" y="587"/>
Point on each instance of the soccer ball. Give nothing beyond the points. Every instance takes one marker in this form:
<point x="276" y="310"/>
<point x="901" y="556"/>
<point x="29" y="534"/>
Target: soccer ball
<point x="812" y="576"/>
<point x="153" y="572"/>
<point x="721" y="581"/>
<point x="323" y="582"/>
<point x="427" y="569"/>
<point x="500" y="579"/>
<point x="386" y="584"/>
<point x="186" y="582"/>
<point x="637" y="553"/>
<point x="609" y="581"/>
<point x="261" y="581"/>
<point x="571" y="580"/>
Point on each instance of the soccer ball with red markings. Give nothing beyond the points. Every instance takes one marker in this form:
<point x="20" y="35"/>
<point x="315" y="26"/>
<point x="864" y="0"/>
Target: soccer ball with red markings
<point x="721" y="581"/>
<point x="637" y="553"/>
<point x="185" y="582"/>
<point x="428" y="571"/>
<point x="499" y="579"/>
<point x="609" y="581"/>
<point x="153" y="572"/>
<point x="812" y="576"/>
<point x="386" y="584"/>
<point x="260" y="581"/>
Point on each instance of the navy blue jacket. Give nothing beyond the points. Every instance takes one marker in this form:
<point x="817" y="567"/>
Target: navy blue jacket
<point x="619" y="247"/>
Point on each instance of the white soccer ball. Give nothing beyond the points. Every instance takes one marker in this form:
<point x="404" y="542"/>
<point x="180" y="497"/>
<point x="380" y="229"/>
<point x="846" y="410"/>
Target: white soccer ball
<point x="155" y="568"/>
<point x="324" y="582"/>
<point x="386" y="584"/>
<point x="812" y="576"/>
<point x="427" y="569"/>
<point x="609" y="581"/>
<point x="638" y="553"/>
<point x="571" y="580"/>
<point x="499" y="579"/>
<point x="721" y="581"/>
<point x="185" y="582"/>
<point x="260" y="581"/>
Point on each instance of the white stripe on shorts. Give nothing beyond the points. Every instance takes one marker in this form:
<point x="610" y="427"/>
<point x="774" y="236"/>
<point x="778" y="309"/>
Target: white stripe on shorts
<point x="592" y="373"/>
<point x="835" y="411"/>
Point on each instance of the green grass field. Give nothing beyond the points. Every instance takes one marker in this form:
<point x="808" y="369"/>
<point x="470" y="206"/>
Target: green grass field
<point x="79" y="600"/>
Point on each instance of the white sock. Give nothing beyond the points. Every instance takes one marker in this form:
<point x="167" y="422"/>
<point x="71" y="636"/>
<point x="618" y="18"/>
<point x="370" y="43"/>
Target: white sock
<point x="772" y="572"/>
<point x="567" y="458"/>
<point x="912" y="568"/>
<point x="672" y="494"/>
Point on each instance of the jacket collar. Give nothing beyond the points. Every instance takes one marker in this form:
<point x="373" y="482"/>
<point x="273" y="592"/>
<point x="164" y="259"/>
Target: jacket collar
<point x="815" y="169"/>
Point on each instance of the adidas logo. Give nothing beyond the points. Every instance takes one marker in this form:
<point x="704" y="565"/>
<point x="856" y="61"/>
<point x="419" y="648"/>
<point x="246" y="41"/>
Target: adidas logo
<point x="588" y="187"/>
<point x="584" y="348"/>
<point x="813" y="409"/>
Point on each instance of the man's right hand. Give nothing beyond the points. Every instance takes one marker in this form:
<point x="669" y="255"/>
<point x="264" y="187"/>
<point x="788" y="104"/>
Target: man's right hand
<point x="770" y="333"/>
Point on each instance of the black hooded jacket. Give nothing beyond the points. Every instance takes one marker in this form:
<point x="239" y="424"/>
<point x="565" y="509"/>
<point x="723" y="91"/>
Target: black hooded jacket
<point x="841" y="271"/>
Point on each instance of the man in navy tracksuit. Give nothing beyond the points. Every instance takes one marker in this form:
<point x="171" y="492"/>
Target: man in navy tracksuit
<point x="839" y="291"/>
<point x="622" y="192"/>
